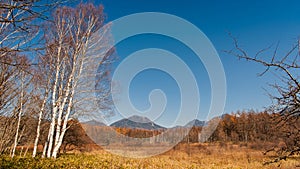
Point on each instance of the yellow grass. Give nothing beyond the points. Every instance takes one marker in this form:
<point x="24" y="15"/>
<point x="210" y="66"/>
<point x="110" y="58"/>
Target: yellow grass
<point x="195" y="156"/>
<point x="207" y="156"/>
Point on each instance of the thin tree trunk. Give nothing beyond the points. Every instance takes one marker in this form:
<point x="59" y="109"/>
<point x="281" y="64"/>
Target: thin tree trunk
<point x="26" y="151"/>
<point x="62" y="105"/>
<point x="17" y="133"/>
<point x="19" y="119"/>
<point x="45" y="146"/>
<point x="38" y="127"/>
<point x="51" y="130"/>
<point x="21" y="151"/>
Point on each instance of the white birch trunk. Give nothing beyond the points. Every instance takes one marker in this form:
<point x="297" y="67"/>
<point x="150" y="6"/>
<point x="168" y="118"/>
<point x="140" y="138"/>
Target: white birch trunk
<point x="54" y="103"/>
<point x="52" y="125"/>
<point x="19" y="119"/>
<point x="61" y="109"/>
<point x="17" y="133"/>
<point x="64" y="128"/>
<point x="45" y="146"/>
<point x="38" y="127"/>
<point x="62" y="105"/>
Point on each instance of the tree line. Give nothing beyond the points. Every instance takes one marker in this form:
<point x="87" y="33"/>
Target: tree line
<point x="260" y="129"/>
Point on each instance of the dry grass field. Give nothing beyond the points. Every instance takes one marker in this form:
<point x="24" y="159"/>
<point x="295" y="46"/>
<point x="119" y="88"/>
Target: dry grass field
<point x="181" y="157"/>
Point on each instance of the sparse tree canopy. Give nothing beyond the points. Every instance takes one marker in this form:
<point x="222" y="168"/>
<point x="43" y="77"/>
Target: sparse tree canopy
<point x="287" y="70"/>
<point x="287" y="99"/>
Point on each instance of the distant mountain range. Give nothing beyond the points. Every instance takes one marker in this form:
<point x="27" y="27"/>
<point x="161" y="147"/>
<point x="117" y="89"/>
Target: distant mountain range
<point x="137" y="122"/>
<point x="140" y="122"/>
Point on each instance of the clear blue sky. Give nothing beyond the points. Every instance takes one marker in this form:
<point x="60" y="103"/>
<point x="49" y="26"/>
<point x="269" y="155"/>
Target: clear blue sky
<point x="257" y="24"/>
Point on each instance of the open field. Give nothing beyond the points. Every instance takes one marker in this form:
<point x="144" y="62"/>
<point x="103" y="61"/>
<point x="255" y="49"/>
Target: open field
<point x="195" y="156"/>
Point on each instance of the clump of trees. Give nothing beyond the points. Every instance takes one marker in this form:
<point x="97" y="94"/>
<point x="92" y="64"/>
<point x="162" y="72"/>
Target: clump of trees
<point x="255" y="128"/>
<point x="44" y="57"/>
<point x="242" y="127"/>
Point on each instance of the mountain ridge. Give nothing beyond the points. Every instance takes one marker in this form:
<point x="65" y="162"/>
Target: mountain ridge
<point x="137" y="122"/>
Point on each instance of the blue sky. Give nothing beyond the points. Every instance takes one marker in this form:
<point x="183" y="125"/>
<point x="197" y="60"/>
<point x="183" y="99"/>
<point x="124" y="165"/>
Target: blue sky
<point x="257" y="24"/>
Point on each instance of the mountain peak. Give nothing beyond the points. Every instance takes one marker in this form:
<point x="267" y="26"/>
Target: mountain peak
<point x="137" y="122"/>
<point x="196" y="123"/>
<point x="94" y="123"/>
<point x="139" y="119"/>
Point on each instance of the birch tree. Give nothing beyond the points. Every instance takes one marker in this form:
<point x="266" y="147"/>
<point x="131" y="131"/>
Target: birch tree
<point x="41" y="82"/>
<point x="70" y="46"/>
